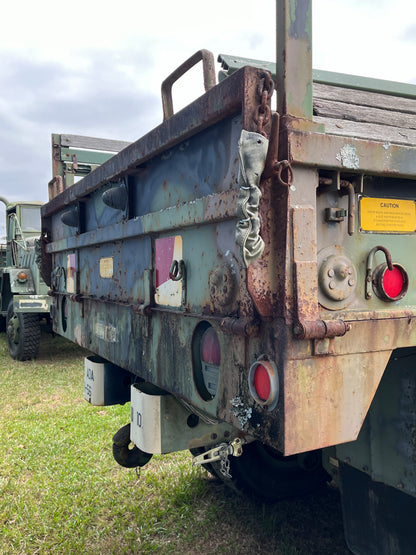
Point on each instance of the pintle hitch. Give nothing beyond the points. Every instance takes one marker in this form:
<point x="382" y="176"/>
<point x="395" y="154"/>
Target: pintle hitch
<point x="221" y="453"/>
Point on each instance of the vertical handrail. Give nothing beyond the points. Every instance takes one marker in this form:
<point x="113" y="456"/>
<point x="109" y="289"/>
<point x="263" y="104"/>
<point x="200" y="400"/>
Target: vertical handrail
<point x="294" y="58"/>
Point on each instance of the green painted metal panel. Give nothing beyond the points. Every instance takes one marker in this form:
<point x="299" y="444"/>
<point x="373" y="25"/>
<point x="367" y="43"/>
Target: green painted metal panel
<point x="230" y="64"/>
<point x="85" y="156"/>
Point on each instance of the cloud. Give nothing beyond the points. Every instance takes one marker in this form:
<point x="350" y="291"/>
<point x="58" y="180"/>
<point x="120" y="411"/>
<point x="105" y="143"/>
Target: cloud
<point x="409" y="34"/>
<point x="89" y="70"/>
<point x="100" y="97"/>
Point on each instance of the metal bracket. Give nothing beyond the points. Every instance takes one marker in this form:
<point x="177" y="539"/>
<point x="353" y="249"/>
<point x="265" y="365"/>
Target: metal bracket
<point x="221" y="453"/>
<point x="369" y="268"/>
<point x="273" y="166"/>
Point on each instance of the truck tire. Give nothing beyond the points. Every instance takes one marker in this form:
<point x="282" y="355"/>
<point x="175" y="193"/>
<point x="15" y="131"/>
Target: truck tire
<point x="23" y="334"/>
<point x="264" y="473"/>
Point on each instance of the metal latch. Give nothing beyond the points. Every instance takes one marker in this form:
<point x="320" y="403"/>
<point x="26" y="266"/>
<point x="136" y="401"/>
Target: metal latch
<point x="335" y="214"/>
<point x="221" y="453"/>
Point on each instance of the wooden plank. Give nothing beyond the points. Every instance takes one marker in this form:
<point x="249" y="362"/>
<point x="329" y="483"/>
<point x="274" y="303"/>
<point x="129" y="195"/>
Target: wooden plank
<point x="364" y="114"/>
<point x="364" y="98"/>
<point x="93" y="143"/>
<point x="370" y="131"/>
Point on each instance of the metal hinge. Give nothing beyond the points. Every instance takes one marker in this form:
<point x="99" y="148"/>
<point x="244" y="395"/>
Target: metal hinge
<point x="221" y="453"/>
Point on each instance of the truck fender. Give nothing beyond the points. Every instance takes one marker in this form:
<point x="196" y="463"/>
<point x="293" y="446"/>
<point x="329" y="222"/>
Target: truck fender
<point x="19" y="286"/>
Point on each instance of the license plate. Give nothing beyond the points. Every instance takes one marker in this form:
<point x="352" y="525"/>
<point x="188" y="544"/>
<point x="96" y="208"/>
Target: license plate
<point x="386" y="215"/>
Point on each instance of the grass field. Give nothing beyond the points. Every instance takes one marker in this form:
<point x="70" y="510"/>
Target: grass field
<point x="61" y="492"/>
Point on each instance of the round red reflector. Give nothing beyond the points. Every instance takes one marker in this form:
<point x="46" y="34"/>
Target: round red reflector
<point x="210" y="347"/>
<point x="393" y="282"/>
<point x="262" y="382"/>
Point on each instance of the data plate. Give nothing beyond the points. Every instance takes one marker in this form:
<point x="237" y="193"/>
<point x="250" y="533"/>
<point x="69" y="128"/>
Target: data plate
<point x="386" y="215"/>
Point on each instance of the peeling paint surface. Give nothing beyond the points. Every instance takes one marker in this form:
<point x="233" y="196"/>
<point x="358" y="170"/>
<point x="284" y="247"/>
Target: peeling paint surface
<point x="243" y="414"/>
<point x="348" y="157"/>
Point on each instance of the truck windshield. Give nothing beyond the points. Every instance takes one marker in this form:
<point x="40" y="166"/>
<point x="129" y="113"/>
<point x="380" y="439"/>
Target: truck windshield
<point x="30" y="218"/>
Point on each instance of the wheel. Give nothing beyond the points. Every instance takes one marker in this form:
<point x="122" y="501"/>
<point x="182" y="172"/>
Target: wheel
<point x="264" y="473"/>
<point x="23" y="334"/>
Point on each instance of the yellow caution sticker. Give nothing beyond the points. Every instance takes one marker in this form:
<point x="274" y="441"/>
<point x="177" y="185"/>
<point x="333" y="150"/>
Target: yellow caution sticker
<point x="386" y="215"/>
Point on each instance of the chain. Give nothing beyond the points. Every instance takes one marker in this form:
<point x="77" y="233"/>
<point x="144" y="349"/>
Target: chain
<point x="263" y="112"/>
<point x="221" y="453"/>
<point x="225" y="463"/>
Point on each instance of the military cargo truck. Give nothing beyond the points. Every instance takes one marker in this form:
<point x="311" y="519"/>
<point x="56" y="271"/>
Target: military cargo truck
<point x="244" y="277"/>
<point x="24" y="295"/>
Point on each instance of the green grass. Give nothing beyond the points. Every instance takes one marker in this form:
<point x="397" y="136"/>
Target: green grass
<point x="61" y="491"/>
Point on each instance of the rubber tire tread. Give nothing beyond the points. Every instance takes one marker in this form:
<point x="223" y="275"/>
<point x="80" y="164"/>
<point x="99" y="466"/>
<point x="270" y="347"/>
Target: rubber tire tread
<point x="29" y="335"/>
<point x="269" y="477"/>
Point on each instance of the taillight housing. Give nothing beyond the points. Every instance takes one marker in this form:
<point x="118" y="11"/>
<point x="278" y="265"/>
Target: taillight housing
<point x="206" y="354"/>
<point x="210" y="347"/>
<point x="263" y="382"/>
<point x="390" y="285"/>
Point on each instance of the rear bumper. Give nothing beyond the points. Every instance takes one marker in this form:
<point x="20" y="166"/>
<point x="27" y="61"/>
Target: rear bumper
<point x="32" y="303"/>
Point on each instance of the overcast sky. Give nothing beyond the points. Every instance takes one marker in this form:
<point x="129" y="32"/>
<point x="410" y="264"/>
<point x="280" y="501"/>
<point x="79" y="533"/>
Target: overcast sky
<point x="95" y="68"/>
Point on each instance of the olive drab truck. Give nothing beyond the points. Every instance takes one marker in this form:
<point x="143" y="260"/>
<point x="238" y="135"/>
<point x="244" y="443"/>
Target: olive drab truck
<point x="23" y="293"/>
<point x="244" y="276"/>
<point x="25" y="299"/>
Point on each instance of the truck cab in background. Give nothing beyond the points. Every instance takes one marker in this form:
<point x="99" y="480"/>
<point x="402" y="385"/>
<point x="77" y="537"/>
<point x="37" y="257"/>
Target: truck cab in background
<point x="23" y="293"/>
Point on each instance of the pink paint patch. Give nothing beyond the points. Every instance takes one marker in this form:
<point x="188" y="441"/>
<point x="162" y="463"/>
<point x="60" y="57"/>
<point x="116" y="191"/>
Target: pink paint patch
<point x="164" y="256"/>
<point x="71" y="266"/>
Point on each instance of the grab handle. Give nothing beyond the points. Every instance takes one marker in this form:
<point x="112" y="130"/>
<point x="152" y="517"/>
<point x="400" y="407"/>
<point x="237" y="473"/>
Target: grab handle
<point x="208" y="68"/>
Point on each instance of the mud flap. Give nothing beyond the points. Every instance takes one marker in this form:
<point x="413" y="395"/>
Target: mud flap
<point x="377" y="518"/>
<point x="105" y="383"/>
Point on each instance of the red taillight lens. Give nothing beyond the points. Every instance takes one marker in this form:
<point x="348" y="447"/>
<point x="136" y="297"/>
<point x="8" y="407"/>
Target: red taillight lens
<point x="206" y="360"/>
<point x="210" y="347"/>
<point x="262" y="382"/>
<point x="390" y="285"/>
<point x="393" y="282"/>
